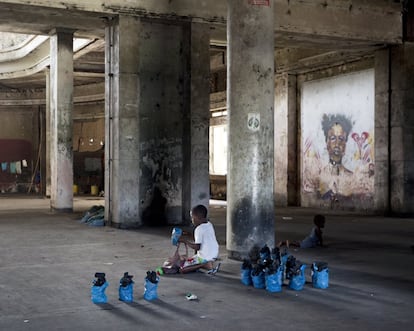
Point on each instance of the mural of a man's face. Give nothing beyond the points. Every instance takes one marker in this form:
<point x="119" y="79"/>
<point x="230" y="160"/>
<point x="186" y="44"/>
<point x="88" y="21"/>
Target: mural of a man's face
<point x="336" y="143"/>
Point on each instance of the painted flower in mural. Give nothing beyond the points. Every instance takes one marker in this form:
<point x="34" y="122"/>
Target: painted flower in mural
<point x="364" y="146"/>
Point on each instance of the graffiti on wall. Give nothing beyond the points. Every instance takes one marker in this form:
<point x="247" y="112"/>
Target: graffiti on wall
<point x="162" y="168"/>
<point x="338" y="163"/>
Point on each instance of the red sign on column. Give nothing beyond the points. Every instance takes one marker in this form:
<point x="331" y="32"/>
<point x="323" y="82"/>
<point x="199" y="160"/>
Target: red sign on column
<point x="259" y="2"/>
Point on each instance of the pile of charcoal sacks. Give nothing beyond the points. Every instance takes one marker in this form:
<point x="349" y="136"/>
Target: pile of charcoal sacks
<point x="270" y="268"/>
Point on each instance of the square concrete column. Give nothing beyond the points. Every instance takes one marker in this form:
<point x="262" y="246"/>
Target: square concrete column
<point x="47" y="173"/>
<point x="122" y="91"/>
<point x="382" y="132"/>
<point x="61" y="107"/>
<point x="285" y="141"/>
<point x="402" y="129"/>
<point x="196" y="131"/>
<point x="157" y="121"/>
<point x="250" y="97"/>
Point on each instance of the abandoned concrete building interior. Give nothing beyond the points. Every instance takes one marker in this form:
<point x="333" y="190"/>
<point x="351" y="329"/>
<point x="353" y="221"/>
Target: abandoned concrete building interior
<point x="262" y="103"/>
<point x="268" y="112"/>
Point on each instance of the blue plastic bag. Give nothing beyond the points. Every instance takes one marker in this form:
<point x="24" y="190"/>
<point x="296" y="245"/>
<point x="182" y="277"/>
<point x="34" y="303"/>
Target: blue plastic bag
<point x="258" y="280"/>
<point x="150" y="288"/>
<point x="274" y="281"/>
<point x="98" y="293"/>
<point x="297" y="282"/>
<point x="175" y="235"/>
<point x="126" y="293"/>
<point x="245" y="276"/>
<point x="320" y="276"/>
<point x="126" y="288"/>
<point x="97" y="222"/>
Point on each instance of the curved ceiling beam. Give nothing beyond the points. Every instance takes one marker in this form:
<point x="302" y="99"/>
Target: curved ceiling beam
<point x="23" y="49"/>
<point x="35" y="56"/>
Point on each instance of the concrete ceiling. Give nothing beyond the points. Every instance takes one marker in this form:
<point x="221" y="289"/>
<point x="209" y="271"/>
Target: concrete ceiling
<point x="351" y="29"/>
<point x="42" y="20"/>
<point x="25" y="69"/>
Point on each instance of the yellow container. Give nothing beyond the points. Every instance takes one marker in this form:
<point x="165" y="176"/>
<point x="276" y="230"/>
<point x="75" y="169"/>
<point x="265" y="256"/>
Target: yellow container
<point x="94" y="190"/>
<point x="75" y="189"/>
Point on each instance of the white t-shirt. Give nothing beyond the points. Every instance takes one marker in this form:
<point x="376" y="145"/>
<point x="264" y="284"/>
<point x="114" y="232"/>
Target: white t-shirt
<point x="205" y="236"/>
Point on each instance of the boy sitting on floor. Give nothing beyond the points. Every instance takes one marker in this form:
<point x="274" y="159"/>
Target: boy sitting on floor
<point x="205" y="243"/>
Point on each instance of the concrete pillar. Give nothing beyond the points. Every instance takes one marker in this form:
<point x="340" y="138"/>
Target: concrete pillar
<point x="402" y="129"/>
<point x="61" y="106"/>
<point x="382" y="132"/>
<point x="122" y="87"/>
<point x="285" y="180"/>
<point x="196" y="132"/>
<point x="157" y="120"/>
<point x="250" y="97"/>
<point x="47" y="173"/>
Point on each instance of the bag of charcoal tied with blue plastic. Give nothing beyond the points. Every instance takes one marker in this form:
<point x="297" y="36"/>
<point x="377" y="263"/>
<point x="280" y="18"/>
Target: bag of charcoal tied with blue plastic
<point x="151" y="286"/>
<point x="98" y="288"/>
<point x="264" y="261"/>
<point x="245" y="272"/>
<point x="320" y="275"/>
<point x="258" y="277"/>
<point x="126" y="288"/>
<point x="274" y="277"/>
<point x="295" y="272"/>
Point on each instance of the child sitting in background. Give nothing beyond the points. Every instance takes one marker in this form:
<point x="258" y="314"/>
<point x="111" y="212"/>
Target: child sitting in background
<point x="314" y="239"/>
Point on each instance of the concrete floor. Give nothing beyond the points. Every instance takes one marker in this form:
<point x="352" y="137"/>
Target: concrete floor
<point x="48" y="262"/>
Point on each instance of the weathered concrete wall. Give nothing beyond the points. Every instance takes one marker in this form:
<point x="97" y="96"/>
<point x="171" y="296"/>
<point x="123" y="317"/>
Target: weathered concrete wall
<point x="338" y="158"/>
<point x="88" y="135"/>
<point x="19" y="124"/>
<point x="402" y="129"/>
<point x="88" y="104"/>
<point x="27" y="123"/>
